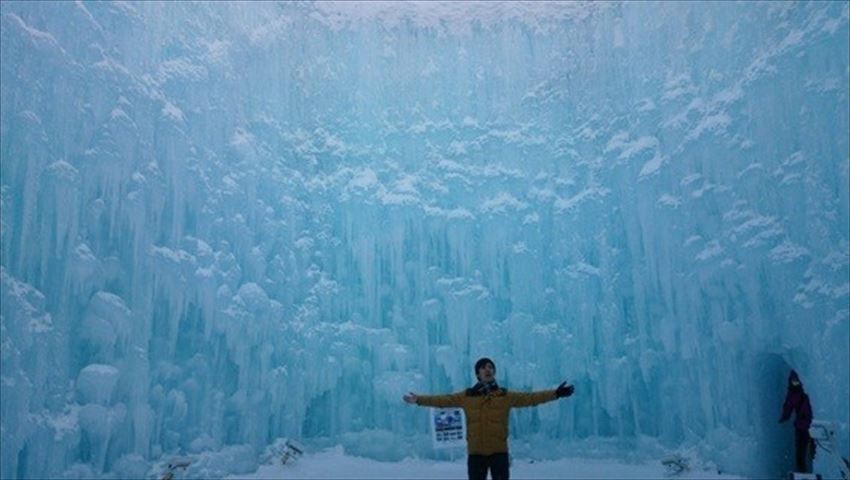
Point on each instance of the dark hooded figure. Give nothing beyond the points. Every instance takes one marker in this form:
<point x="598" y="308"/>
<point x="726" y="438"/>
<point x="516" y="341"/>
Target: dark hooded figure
<point x="796" y="400"/>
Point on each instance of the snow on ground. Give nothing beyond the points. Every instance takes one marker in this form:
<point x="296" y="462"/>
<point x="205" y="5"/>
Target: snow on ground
<point x="334" y="463"/>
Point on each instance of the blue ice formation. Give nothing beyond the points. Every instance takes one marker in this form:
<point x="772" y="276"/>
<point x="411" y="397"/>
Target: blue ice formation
<point x="229" y="223"/>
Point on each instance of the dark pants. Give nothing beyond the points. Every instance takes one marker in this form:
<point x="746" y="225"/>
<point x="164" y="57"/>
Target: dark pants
<point x="802" y="444"/>
<point x="477" y="466"/>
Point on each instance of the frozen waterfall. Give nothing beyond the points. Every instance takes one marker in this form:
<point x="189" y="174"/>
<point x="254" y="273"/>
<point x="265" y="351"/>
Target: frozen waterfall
<point x="228" y="223"/>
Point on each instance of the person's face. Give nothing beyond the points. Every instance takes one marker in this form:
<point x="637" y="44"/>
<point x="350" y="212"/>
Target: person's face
<point x="486" y="373"/>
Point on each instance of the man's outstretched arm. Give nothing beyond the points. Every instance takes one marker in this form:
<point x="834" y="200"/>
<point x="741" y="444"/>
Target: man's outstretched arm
<point x="531" y="399"/>
<point x="444" y="401"/>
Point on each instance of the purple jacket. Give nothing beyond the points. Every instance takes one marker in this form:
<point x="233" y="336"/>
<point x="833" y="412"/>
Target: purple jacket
<point x="797" y="401"/>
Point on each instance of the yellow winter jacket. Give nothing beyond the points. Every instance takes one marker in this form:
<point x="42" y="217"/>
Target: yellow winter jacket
<point x="487" y="415"/>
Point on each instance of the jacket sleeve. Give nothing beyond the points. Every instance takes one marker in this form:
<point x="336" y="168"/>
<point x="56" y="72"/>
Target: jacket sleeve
<point x="787" y="408"/>
<point x="518" y="399"/>
<point x="804" y="415"/>
<point x="445" y="401"/>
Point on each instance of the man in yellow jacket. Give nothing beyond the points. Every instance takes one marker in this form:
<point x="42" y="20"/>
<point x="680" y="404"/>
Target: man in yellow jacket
<point x="486" y="406"/>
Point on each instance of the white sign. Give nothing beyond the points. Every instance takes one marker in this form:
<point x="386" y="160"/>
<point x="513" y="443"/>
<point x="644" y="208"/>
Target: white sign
<point x="448" y="427"/>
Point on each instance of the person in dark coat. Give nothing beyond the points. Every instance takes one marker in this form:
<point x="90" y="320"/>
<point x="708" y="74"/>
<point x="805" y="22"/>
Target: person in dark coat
<point x="797" y="401"/>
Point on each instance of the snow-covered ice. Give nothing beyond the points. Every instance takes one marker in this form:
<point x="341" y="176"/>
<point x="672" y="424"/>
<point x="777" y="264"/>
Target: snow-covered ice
<point x="334" y="463"/>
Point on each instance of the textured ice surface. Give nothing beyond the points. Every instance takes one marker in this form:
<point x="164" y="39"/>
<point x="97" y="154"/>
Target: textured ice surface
<point x="96" y="383"/>
<point x="227" y="223"/>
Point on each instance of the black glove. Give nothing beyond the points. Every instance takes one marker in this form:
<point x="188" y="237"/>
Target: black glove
<point x="564" y="390"/>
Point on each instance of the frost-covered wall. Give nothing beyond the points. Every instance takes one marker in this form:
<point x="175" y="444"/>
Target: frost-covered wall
<point x="224" y="223"/>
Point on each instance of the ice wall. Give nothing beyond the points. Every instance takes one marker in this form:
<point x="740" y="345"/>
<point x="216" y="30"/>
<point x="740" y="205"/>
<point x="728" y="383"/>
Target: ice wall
<point x="230" y="222"/>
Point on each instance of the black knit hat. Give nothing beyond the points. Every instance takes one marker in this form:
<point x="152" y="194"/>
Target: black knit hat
<point x="482" y="362"/>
